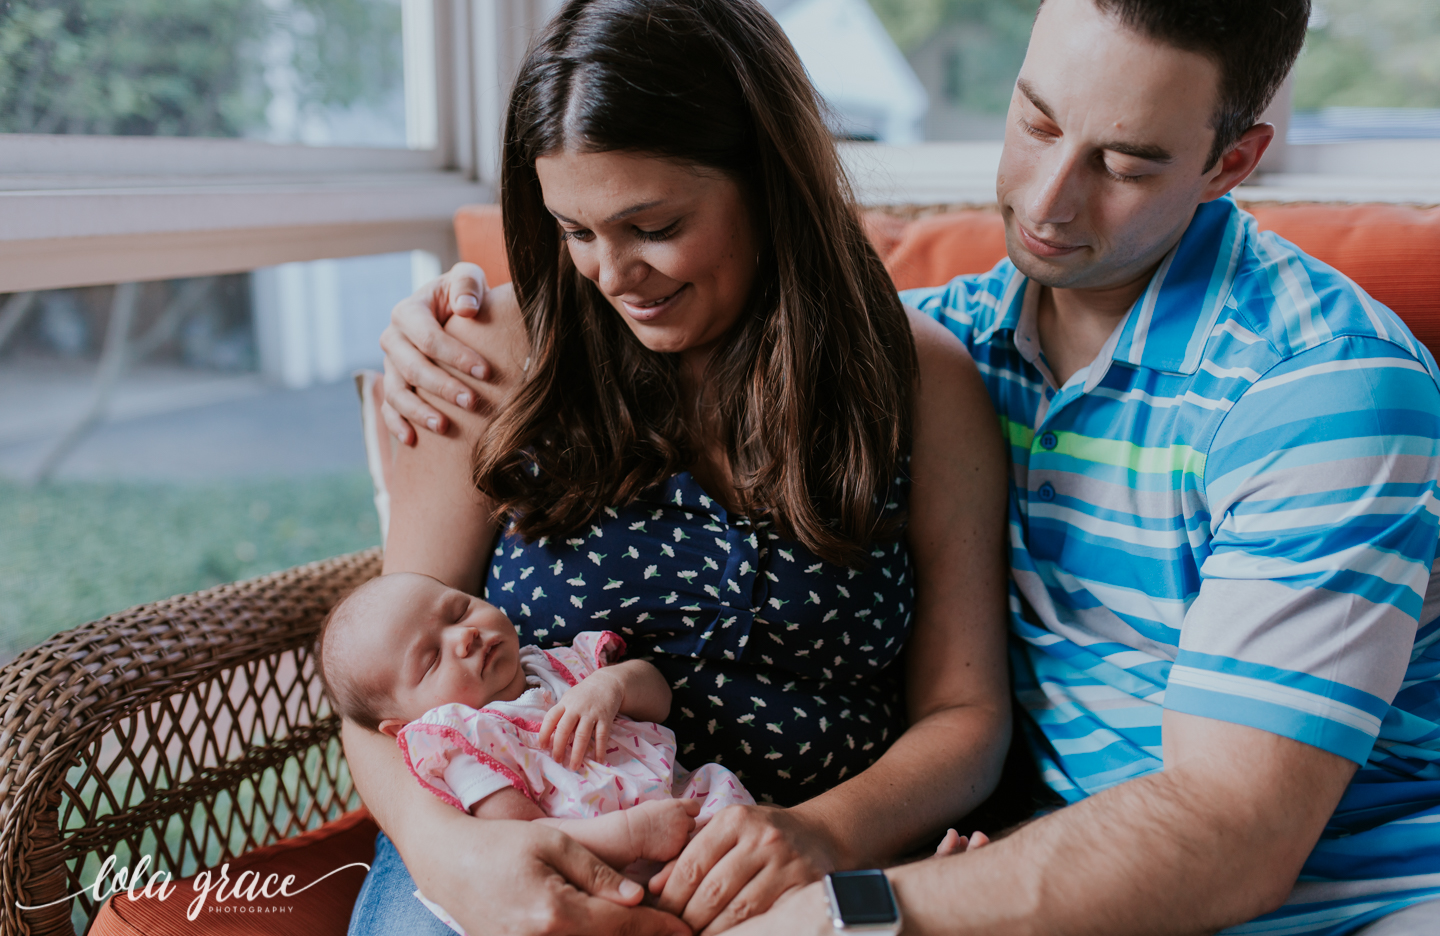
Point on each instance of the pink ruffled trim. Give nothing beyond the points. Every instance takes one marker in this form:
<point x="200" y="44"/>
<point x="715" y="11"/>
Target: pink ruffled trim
<point x="608" y="639"/>
<point x="560" y="668"/>
<point x="459" y="740"/>
<point x="515" y="720"/>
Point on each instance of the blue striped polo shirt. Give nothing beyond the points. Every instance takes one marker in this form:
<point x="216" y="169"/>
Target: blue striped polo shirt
<point x="1231" y="513"/>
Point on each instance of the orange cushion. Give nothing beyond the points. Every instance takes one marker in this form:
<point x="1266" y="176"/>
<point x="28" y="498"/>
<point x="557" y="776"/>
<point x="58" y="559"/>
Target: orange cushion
<point x="937" y="249"/>
<point x="1392" y="251"/>
<point x="322" y="910"/>
<point x="481" y="240"/>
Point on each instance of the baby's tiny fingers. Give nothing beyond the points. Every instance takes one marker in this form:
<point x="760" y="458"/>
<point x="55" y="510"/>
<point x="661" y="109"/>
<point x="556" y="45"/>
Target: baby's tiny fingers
<point x="602" y="739"/>
<point x="564" y="732"/>
<point x="547" y="727"/>
<point x="584" y="735"/>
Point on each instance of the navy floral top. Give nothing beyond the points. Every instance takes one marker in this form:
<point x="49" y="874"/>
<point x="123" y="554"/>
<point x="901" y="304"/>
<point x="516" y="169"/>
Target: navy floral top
<point x="784" y="667"/>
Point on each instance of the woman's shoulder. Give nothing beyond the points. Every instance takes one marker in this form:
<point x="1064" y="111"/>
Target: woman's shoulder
<point x="497" y="331"/>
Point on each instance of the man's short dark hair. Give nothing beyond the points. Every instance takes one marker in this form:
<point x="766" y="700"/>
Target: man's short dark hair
<point x="1255" y="43"/>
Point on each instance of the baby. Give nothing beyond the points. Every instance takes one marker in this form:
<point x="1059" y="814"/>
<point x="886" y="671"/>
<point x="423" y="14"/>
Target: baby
<point x="564" y="736"/>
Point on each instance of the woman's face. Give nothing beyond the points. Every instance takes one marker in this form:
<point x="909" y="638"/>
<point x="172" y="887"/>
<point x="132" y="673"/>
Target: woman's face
<point x="672" y="247"/>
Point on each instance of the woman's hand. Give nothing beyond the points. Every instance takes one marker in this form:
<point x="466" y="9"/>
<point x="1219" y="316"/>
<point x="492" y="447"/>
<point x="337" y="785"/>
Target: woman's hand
<point x="802" y="912"/>
<point x="416" y="346"/>
<point x="740" y="863"/>
<point x="527" y="878"/>
<point x="496" y="876"/>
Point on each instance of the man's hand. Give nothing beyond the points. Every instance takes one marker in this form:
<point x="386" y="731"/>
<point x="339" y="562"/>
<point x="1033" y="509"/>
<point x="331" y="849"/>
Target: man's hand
<point x="415" y="344"/>
<point x="744" y="860"/>
<point x="584" y="715"/>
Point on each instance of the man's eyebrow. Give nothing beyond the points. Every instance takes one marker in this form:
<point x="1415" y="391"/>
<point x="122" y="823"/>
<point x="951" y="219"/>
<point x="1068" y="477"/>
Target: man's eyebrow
<point x="1146" y="151"/>
<point x="1029" y="91"/>
<point x="617" y="216"/>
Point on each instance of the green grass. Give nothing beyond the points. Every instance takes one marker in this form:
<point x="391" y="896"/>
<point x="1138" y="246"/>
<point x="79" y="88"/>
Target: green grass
<point x="71" y="552"/>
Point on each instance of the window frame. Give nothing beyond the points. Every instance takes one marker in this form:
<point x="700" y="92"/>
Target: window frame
<point x="88" y="210"/>
<point x="78" y="210"/>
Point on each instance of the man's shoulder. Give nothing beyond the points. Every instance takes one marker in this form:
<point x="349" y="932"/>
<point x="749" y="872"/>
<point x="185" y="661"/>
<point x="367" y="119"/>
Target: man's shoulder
<point x="1294" y="303"/>
<point x="967" y="304"/>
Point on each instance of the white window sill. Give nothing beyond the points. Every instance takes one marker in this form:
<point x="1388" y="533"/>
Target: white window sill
<point x="1401" y="171"/>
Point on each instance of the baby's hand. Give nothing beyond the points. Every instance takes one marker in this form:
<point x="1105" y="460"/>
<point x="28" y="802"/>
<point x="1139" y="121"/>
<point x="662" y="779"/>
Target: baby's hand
<point x="956" y="844"/>
<point x="659" y="829"/>
<point x="583" y="715"/>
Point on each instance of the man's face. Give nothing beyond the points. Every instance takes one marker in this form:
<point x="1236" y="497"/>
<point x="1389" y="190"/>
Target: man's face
<point x="1105" y="149"/>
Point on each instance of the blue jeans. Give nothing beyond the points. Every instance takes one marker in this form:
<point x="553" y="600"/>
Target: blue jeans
<point x="387" y="903"/>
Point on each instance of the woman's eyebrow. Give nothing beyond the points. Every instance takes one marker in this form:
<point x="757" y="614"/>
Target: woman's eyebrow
<point x="617" y="216"/>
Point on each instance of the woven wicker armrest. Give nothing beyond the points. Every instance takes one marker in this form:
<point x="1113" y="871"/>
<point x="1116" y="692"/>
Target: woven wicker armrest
<point x="190" y="730"/>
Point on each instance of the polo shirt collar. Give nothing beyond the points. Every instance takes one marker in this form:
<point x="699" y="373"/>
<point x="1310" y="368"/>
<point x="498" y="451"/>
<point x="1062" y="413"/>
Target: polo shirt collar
<point x="1167" y="327"/>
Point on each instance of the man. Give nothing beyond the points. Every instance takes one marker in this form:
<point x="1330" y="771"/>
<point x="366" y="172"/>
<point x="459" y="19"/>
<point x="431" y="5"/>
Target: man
<point x="1222" y="516"/>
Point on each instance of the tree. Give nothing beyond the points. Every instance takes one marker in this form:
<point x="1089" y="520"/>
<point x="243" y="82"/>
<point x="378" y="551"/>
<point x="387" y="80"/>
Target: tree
<point x="1371" y="53"/>
<point x="186" y="67"/>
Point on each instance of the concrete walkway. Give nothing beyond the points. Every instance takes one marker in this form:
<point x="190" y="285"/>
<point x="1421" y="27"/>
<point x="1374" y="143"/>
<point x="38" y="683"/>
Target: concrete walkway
<point x="176" y="424"/>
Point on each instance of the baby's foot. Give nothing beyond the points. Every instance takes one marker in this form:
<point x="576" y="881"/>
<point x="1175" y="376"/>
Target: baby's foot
<point x="659" y="829"/>
<point x="954" y="843"/>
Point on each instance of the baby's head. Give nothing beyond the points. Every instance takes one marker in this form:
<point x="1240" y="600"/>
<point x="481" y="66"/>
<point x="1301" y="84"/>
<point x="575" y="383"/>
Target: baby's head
<point x="404" y="643"/>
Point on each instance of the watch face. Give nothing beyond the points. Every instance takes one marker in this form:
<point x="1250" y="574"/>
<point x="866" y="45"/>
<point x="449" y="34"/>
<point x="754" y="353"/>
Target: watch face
<point x="863" y="898"/>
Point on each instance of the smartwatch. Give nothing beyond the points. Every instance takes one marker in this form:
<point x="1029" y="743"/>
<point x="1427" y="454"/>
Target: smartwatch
<point x="862" y="902"/>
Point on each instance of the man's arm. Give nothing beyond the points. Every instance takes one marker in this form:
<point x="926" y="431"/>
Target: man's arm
<point x="1215" y="839"/>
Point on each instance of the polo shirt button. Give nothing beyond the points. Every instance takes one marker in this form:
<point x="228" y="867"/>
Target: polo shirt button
<point x="1048" y="441"/>
<point x="1046" y="492"/>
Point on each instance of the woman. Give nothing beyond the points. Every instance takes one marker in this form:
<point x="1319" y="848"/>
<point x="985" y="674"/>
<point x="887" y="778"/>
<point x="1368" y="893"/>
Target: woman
<point x="725" y="440"/>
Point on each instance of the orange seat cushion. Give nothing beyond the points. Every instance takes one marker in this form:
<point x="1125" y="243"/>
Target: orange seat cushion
<point x="1392" y="251"/>
<point x="481" y="241"/>
<point x="322" y="910"/>
<point x="937" y="249"/>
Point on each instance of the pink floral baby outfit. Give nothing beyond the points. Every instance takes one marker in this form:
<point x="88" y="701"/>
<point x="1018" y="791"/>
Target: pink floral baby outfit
<point x="462" y="755"/>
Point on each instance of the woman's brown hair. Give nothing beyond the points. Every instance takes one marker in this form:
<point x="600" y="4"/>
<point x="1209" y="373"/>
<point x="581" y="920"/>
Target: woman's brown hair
<point x="811" y="388"/>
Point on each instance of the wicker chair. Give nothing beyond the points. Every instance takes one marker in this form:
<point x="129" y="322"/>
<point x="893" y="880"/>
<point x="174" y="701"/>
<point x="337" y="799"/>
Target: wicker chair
<point x="191" y="730"/>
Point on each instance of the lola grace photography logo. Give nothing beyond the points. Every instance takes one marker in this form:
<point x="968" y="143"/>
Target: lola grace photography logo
<point x="245" y="894"/>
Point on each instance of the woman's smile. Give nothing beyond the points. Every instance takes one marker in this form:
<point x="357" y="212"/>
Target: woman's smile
<point x="670" y="245"/>
<point x="652" y="309"/>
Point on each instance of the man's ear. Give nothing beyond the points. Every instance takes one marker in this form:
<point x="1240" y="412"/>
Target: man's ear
<point x="392" y="726"/>
<point x="1240" y="160"/>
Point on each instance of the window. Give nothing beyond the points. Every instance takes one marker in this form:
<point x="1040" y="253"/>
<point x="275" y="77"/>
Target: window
<point x="1365" y="93"/>
<point x="1369" y="71"/>
<point x="282" y="71"/>
<point x="161" y="437"/>
<point x="256" y="132"/>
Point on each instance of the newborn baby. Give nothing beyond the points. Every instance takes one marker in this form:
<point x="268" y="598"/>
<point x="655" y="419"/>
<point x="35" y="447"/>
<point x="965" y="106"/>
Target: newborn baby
<point x="564" y="736"/>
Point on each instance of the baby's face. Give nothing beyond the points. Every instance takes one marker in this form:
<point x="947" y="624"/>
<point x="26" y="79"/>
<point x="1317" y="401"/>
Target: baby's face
<point x="429" y="645"/>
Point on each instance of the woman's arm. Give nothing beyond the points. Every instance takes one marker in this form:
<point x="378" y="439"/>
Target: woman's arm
<point x="950" y="758"/>
<point x="439" y="524"/>
<point x="492" y="876"/>
<point x="495" y="876"/>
